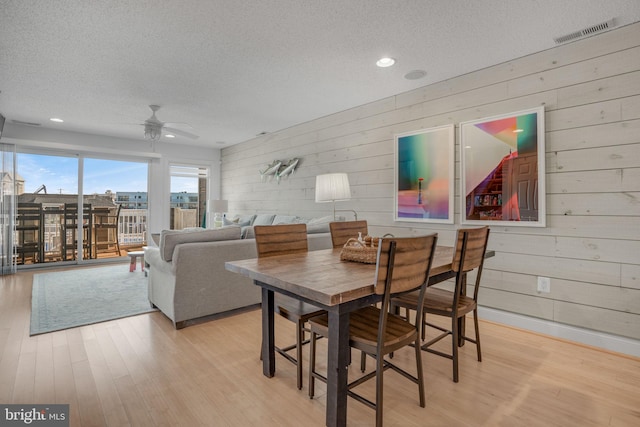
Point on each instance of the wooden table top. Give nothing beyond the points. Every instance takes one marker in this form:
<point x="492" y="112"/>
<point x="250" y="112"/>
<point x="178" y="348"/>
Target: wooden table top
<point x="320" y="275"/>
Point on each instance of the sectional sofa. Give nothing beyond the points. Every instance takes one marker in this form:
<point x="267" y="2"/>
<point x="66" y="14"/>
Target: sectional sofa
<point x="187" y="277"/>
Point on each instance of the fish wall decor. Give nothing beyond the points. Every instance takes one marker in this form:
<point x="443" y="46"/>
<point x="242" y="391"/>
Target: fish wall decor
<point x="271" y="169"/>
<point x="287" y="169"/>
<point x="278" y="169"/>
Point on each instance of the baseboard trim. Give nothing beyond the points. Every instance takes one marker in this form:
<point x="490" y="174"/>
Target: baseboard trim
<point x="609" y="342"/>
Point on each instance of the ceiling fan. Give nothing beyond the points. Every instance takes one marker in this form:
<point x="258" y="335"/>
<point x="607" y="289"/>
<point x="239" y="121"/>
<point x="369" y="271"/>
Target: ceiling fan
<point x="154" y="128"/>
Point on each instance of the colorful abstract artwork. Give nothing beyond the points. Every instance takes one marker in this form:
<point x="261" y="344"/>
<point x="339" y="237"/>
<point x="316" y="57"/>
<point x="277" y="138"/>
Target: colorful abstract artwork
<point x="503" y="169"/>
<point x="424" y="175"/>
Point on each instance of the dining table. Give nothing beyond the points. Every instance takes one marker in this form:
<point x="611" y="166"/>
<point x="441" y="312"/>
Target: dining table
<point x="339" y="287"/>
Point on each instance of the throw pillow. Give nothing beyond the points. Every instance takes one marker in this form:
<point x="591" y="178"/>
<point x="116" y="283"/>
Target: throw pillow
<point x="319" y="225"/>
<point x="246" y="218"/>
<point x="263" y="219"/>
<point x="226" y="221"/>
<point x="170" y="238"/>
<point x="284" y="219"/>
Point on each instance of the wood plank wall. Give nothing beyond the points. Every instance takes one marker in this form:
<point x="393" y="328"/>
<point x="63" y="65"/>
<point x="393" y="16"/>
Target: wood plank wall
<point x="591" y="246"/>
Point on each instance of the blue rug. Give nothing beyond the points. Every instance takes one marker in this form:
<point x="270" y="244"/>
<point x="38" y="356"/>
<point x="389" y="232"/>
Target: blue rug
<point x="66" y="299"/>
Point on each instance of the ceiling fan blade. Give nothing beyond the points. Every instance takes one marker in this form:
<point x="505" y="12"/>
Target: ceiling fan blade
<point x="180" y="126"/>
<point x="180" y="132"/>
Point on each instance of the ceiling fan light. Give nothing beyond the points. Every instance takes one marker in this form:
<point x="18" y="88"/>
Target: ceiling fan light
<point x="152" y="133"/>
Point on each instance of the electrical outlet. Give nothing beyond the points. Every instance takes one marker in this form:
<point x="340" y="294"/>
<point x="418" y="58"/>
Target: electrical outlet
<point x="544" y="284"/>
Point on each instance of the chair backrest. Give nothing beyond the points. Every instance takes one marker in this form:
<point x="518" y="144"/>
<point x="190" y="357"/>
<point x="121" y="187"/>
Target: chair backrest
<point x="105" y="218"/>
<point x="471" y="245"/>
<point x="115" y="219"/>
<point x="280" y="239"/>
<point x="28" y="212"/>
<point x="404" y="264"/>
<point x="341" y="231"/>
<point x="71" y="212"/>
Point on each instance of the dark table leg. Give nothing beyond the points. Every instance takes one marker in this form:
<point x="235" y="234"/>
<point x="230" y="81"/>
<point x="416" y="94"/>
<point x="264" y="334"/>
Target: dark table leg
<point x="268" y="346"/>
<point x="338" y="361"/>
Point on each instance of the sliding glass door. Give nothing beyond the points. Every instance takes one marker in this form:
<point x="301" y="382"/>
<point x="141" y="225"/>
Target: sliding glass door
<point x="47" y="220"/>
<point x="72" y="208"/>
<point x="117" y="190"/>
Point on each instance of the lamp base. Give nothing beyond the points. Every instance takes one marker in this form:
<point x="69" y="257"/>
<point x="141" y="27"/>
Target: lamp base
<point x="217" y="221"/>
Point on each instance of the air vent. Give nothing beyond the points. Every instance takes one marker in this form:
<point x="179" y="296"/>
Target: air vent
<point x="586" y="32"/>
<point x="20" y="122"/>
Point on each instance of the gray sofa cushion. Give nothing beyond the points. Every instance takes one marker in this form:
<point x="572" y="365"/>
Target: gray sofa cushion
<point x="170" y="238"/>
<point x="263" y="219"/>
<point x="246" y="218"/>
<point x="247" y="232"/>
<point x="319" y="225"/>
<point x="237" y="221"/>
<point x="284" y="219"/>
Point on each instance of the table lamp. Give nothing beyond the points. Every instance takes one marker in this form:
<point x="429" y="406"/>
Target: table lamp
<point x="218" y="207"/>
<point x="333" y="187"/>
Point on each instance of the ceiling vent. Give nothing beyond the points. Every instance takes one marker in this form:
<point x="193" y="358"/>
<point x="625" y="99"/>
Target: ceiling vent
<point x="594" y="29"/>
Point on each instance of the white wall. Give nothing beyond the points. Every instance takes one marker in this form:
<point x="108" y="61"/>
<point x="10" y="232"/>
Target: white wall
<point x="158" y="155"/>
<point x="591" y="246"/>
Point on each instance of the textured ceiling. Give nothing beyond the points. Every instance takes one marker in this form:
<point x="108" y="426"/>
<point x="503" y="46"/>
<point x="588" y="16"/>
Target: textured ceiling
<point x="235" y="68"/>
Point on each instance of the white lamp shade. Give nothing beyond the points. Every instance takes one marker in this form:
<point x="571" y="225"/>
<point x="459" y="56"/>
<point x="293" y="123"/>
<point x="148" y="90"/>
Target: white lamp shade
<point x="220" y="206"/>
<point x="332" y="187"/>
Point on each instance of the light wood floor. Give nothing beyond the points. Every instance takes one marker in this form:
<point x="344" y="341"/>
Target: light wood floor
<point x="139" y="371"/>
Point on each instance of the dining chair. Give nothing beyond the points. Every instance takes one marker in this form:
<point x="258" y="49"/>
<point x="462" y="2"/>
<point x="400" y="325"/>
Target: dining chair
<point x="106" y="225"/>
<point x="341" y="231"/>
<point x="272" y="240"/>
<point x="71" y="216"/>
<point x="403" y="265"/>
<point x="29" y="229"/>
<point x="471" y="245"/>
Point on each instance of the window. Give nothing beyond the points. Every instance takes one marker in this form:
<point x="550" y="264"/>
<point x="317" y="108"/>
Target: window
<point x="188" y="196"/>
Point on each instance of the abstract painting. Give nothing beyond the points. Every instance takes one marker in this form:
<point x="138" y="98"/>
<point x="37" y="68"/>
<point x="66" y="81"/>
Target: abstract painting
<point x="424" y="175"/>
<point x="503" y="169"/>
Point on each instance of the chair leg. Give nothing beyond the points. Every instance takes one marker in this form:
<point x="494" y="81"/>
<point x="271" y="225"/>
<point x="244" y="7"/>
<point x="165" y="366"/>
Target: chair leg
<point x="312" y="364"/>
<point x="363" y="361"/>
<point x="475" y="324"/>
<point x="379" y="388"/>
<point x="461" y="330"/>
<point x="455" y="323"/>
<point x="420" y="373"/>
<point x="300" y="339"/>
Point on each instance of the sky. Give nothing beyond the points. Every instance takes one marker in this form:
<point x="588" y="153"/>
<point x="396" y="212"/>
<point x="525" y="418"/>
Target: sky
<point x="60" y="175"/>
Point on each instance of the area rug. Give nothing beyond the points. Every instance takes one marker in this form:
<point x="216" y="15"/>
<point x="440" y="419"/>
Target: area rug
<point x="70" y="298"/>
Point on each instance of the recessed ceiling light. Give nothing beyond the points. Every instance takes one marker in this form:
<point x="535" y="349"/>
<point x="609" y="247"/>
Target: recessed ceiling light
<point x="170" y="136"/>
<point x="415" y="74"/>
<point x="385" y="62"/>
<point x="57" y="120"/>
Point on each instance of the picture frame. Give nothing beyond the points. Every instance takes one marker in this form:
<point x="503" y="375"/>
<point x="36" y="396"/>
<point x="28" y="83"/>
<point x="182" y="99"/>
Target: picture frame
<point x="502" y="165"/>
<point x="424" y="179"/>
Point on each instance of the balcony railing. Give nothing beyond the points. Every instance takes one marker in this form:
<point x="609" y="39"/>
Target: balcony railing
<point x="48" y="234"/>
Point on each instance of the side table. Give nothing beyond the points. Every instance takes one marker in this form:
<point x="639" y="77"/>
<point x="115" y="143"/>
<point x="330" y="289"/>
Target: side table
<point x="134" y="255"/>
